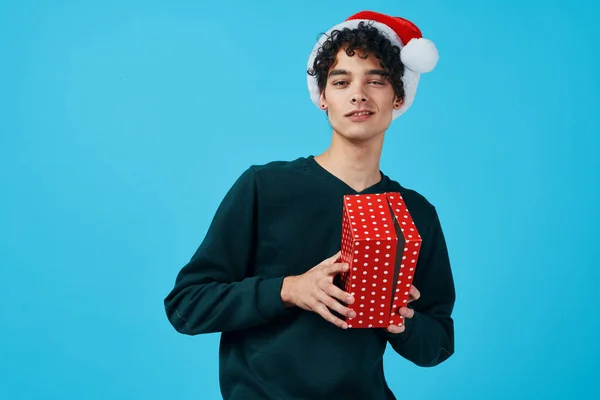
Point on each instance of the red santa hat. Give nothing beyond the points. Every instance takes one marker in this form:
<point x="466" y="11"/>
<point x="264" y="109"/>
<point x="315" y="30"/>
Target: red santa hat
<point x="418" y="55"/>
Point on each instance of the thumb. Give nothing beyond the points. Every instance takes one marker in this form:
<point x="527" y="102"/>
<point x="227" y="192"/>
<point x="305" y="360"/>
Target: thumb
<point x="395" y="329"/>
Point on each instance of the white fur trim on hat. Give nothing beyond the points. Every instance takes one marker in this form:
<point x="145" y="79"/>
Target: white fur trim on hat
<point x="421" y="56"/>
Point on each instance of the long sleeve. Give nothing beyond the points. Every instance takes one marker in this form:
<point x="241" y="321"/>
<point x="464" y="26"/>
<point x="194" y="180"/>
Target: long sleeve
<point x="428" y="339"/>
<point x="213" y="292"/>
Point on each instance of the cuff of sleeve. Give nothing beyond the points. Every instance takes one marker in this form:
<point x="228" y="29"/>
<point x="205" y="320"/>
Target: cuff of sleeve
<point x="409" y="325"/>
<point x="268" y="300"/>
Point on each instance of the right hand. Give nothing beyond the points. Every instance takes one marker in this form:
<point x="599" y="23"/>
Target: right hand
<point x="315" y="291"/>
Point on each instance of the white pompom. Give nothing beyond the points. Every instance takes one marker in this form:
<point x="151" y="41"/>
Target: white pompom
<point x="420" y="55"/>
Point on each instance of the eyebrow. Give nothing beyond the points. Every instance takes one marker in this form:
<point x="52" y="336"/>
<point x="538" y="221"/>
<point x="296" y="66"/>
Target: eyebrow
<point x="379" y="72"/>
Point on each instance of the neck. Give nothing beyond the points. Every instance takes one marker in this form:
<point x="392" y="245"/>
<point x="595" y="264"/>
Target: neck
<point x="355" y="163"/>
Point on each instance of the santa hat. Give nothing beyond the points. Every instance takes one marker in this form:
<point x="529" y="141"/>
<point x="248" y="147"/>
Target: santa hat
<point x="419" y="55"/>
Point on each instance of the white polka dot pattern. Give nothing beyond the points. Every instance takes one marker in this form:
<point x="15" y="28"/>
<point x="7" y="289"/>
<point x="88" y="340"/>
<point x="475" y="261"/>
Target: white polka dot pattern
<point x="381" y="244"/>
<point x="410" y="255"/>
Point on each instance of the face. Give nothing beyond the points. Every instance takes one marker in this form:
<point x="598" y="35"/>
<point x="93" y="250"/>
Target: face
<point x="358" y="97"/>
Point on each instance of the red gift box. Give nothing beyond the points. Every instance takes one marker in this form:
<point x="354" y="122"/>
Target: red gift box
<point x="381" y="244"/>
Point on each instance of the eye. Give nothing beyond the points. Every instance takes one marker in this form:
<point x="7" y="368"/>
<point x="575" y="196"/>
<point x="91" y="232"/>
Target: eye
<point x="377" y="82"/>
<point x="340" y="83"/>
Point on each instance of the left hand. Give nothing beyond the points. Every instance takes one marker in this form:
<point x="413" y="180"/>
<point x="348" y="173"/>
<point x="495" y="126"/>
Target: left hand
<point x="413" y="294"/>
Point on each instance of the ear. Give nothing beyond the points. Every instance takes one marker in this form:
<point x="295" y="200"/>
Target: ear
<point x="322" y="101"/>
<point x="398" y="102"/>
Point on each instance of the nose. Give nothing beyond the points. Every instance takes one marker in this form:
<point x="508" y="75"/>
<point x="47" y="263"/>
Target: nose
<point x="358" y="98"/>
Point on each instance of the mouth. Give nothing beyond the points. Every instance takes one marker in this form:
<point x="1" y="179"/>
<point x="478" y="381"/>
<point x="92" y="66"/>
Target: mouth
<point x="359" y="115"/>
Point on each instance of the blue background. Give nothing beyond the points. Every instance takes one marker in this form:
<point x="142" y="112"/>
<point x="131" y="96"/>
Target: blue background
<point x="123" y="124"/>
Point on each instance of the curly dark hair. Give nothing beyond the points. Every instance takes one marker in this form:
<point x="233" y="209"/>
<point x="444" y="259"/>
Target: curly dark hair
<point x="367" y="40"/>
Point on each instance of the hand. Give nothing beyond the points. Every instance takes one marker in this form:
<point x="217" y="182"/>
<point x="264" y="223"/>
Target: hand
<point x="413" y="294"/>
<point x="315" y="291"/>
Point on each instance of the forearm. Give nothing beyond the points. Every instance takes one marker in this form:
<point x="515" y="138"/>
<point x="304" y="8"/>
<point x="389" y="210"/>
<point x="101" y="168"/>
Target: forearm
<point x="426" y="342"/>
<point x="196" y="308"/>
<point x="428" y="339"/>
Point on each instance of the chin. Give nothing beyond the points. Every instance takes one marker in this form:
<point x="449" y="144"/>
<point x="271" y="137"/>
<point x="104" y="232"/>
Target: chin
<point x="359" y="132"/>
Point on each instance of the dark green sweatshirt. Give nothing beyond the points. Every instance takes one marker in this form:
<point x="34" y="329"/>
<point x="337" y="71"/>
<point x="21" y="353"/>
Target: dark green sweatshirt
<point x="282" y="219"/>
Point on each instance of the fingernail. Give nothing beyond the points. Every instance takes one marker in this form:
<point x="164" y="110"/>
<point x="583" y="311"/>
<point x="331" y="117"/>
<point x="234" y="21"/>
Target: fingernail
<point x="352" y="314"/>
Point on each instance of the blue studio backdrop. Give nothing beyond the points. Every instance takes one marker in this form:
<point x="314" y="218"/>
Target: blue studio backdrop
<point x="123" y="124"/>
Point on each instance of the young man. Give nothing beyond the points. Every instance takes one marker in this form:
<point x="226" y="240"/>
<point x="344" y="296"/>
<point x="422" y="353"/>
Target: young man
<point x="264" y="276"/>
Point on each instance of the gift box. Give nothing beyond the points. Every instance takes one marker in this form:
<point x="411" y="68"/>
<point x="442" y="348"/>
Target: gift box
<point x="381" y="244"/>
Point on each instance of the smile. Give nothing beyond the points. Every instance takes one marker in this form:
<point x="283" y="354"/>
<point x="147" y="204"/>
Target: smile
<point x="359" y="113"/>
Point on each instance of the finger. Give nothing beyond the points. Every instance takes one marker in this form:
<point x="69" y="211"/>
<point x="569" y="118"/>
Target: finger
<point x="413" y="294"/>
<point x="334" y="291"/>
<point x="334" y="305"/>
<point x="406" y="312"/>
<point x="395" y="329"/>
<point x="324" y="312"/>
<point x="333" y="258"/>
<point x="337" y="268"/>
